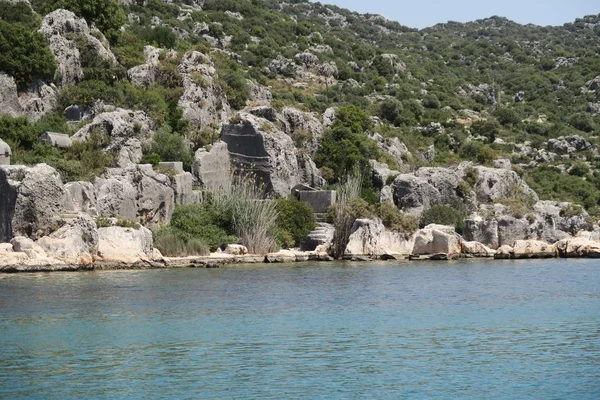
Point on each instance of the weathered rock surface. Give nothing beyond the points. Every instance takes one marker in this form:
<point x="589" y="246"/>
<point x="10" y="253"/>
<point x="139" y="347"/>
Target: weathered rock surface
<point x="476" y="249"/>
<point x="39" y="99"/>
<point x="182" y="185"/>
<point x="370" y="238"/>
<point x="125" y="245"/>
<point x="495" y="183"/>
<point x="144" y="75"/>
<point x="414" y="195"/>
<point x="9" y="99"/>
<point x="31" y="200"/>
<point x="58" y="27"/>
<point x="203" y="101"/>
<point x="437" y="241"/>
<point x="258" y="148"/>
<point x="569" y="144"/>
<point x="213" y="168"/>
<point x="578" y="247"/>
<point x="74" y="243"/>
<point x="135" y="193"/>
<point x="478" y="230"/>
<point x="80" y="197"/>
<point x="125" y="131"/>
<point x="533" y="249"/>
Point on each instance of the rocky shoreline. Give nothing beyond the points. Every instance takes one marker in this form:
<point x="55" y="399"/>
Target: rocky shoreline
<point x="579" y="247"/>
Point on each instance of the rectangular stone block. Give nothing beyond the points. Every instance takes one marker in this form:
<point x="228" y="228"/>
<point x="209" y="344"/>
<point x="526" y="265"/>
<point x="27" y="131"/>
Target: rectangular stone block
<point x="319" y="200"/>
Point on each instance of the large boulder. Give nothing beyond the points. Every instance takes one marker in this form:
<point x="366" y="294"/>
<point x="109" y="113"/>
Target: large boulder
<point x="437" y="241"/>
<point x="74" y="243"/>
<point x="578" y="247"/>
<point x="203" y="101"/>
<point x="60" y="27"/>
<point x="212" y="168"/>
<point x="370" y="238"/>
<point x="479" y="230"/>
<point x="123" y="131"/>
<point x="135" y="193"/>
<point x="125" y="245"/>
<point x="30" y="201"/>
<point x="9" y="100"/>
<point x="569" y="144"/>
<point x="533" y="249"/>
<point x="414" y="195"/>
<point x="496" y="183"/>
<point x="144" y="75"/>
<point x="80" y="197"/>
<point x="258" y="148"/>
<point x="476" y="249"/>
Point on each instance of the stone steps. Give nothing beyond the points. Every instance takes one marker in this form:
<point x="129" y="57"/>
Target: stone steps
<point x="322" y="234"/>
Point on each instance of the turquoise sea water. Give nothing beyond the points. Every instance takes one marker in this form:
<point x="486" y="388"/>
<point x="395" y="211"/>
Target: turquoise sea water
<point x="464" y="330"/>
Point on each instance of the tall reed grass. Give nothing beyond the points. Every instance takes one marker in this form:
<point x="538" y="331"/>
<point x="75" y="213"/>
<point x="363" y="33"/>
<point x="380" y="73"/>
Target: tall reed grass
<point x="254" y="216"/>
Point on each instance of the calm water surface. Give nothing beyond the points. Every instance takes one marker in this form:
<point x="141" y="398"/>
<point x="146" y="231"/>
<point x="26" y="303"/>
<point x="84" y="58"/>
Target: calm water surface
<point x="465" y="330"/>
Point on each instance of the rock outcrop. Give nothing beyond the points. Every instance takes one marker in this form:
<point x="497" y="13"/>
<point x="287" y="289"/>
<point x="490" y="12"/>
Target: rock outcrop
<point x="203" y="101"/>
<point x="74" y="243"/>
<point x="31" y="200"/>
<point x="9" y="99"/>
<point x="496" y="183"/>
<point x="59" y="27"/>
<point x="438" y="242"/>
<point x="125" y="245"/>
<point x="259" y="149"/>
<point x="533" y="249"/>
<point x="135" y="193"/>
<point x="578" y="247"/>
<point x="476" y="249"/>
<point x="144" y="75"/>
<point x="566" y="145"/>
<point x="369" y="238"/>
<point x="123" y="131"/>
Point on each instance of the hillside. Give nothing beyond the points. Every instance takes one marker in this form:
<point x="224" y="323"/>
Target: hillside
<point x="304" y="93"/>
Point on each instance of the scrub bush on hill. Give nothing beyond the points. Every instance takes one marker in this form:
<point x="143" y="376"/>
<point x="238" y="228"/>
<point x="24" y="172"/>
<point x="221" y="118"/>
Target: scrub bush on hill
<point x="107" y="15"/>
<point x="346" y="147"/>
<point x="24" y="53"/>
<point x="442" y="214"/>
<point x="295" y="221"/>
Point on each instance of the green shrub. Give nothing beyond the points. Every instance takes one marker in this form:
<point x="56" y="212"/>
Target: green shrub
<point x="295" y="218"/>
<point x="106" y="15"/>
<point x="232" y="80"/>
<point x="151" y="158"/>
<point x="346" y="147"/>
<point x="24" y="53"/>
<point x="172" y="243"/>
<point x="443" y="215"/>
<point x="519" y="203"/>
<point x="171" y="147"/>
<point x="397" y="221"/>
<point x="551" y="184"/>
<point x="571" y="210"/>
<point x="203" y="222"/>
